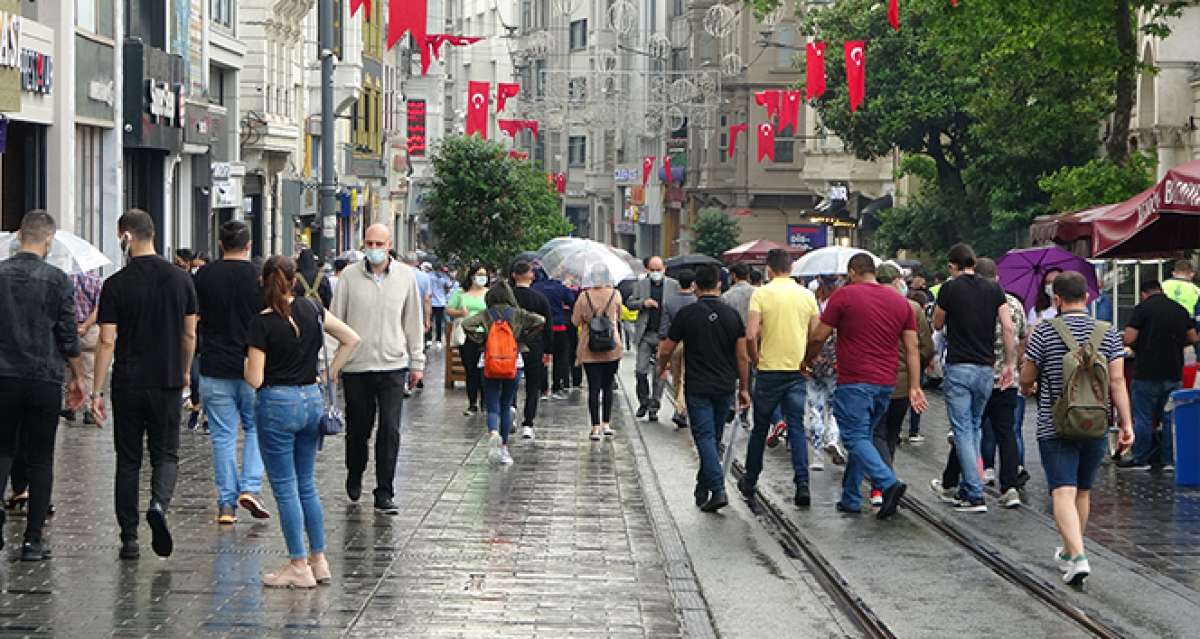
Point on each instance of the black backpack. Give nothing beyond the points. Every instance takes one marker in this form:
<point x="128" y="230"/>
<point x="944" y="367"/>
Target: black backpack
<point x="601" y="336"/>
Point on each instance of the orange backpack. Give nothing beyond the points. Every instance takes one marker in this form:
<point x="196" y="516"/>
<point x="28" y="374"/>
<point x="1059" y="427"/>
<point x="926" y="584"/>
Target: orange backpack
<point x="500" y="350"/>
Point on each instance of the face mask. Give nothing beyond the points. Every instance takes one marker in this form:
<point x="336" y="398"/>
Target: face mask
<point x="480" y="280"/>
<point x="1049" y="289"/>
<point x="656" y="276"/>
<point x="903" y="289"/>
<point x="376" y="256"/>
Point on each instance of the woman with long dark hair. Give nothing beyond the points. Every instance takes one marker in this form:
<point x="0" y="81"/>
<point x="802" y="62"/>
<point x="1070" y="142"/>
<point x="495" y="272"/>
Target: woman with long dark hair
<point x="1043" y="308"/>
<point x="466" y="302"/>
<point x="283" y="346"/>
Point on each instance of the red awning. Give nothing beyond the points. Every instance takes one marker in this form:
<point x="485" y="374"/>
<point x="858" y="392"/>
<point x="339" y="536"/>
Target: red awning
<point x="1160" y="220"/>
<point x="1067" y="227"/>
<point x="756" y="251"/>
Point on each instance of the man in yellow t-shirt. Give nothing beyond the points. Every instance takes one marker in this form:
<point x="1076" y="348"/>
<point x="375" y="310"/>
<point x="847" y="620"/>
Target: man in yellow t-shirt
<point x="780" y="317"/>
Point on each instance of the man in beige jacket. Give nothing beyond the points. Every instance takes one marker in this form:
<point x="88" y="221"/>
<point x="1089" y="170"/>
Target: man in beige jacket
<point x="379" y="299"/>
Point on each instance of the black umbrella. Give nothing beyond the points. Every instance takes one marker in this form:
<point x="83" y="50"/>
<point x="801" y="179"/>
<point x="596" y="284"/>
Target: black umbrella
<point x="675" y="264"/>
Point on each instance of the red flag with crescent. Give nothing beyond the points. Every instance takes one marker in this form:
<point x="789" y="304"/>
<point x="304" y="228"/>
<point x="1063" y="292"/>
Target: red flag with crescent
<point x="667" y="169"/>
<point x="477" y="108"/>
<point x="768" y="99"/>
<point x="433" y="47"/>
<point x="814" y="64"/>
<point x="504" y="91"/>
<point x="790" y="115"/>
<point x="406" y="16"/>
<point x="894" y="14"/>
<point x="856" y="72"/>
<point x="647" y="169"/>
<point x="766" y="141"/>
<point x="734" y="131"/>
<point x="510" y="127"/>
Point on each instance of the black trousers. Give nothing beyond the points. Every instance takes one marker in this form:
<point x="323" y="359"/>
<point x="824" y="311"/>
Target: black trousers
<point x="576" y="368"/>
<point x="367" y="394"/>
<point x="1000" y="417"/>
<point x="29" y="422"/>
<point x="437" y="324"/>
<point x="149" y="415"/>
<point x="470" y="352"/>
<point x="600" y="381"/>
<point x="887" y="429"/>
<point x="564" y="357"/>
<point x="535" y="378"/>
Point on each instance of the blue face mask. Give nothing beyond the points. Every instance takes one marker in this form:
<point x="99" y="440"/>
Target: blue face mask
<point x="376" y="256"/>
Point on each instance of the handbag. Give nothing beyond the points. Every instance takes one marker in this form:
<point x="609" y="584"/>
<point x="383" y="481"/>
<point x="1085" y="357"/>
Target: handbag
<point x="333" y="420"/>
<point x="457" y="335"/>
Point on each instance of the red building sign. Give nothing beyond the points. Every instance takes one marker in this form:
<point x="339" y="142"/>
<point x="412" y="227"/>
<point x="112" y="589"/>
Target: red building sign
<point x="416" y="128"/>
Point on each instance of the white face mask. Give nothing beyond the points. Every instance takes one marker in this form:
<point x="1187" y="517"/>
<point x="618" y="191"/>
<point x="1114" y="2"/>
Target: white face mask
<point x="480" y="280"/>
<point x="1049" y="289"/>
<point x="656" y="276"/>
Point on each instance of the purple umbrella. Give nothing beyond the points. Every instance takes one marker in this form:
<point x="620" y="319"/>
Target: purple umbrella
<point x="1021" y="271"/>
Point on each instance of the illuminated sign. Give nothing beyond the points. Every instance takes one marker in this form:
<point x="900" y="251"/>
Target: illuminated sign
<point x="416" y="128"/>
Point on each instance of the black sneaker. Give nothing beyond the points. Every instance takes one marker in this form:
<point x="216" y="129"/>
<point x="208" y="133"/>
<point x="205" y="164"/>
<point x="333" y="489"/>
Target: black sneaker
<point x="891" y="500"/>
<point x="718" y="501"/>
<point x="1022" y="478"/>
<point x="386" y="507"/>
<point x="353" y="488"/>
<point x="641" y="411"/>
<point x="1129" y="464"/>
<point x="681" y="421"/>
<point x="653" y="416"/>
<point x="34" y="551"/>
<point x="803" y="499"/>
<point x="67" y="414"/>
<point x="745" y="488"/>
<point x="129" y="549"/>
<point x="845" y="510"/>
<point x="966" y="505"/>
<point x="194" y="421"/>
<point x="701" y="495"/>
<point x="160" y="535"/>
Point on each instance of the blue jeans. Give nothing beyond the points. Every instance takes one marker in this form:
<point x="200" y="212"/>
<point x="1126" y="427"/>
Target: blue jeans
<point x="1149" y="397"/>
<point x="857" y="408"/>
<point x="786" y="390"/>
<point x="288" y="436"/>
<point x="967" y="388"/>
<point x="498" y="396"/>
<point x="228" y="403"/>
<point x="707" y="413"/>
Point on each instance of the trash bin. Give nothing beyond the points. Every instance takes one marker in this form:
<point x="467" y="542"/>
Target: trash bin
<point x="1186" y="413"/>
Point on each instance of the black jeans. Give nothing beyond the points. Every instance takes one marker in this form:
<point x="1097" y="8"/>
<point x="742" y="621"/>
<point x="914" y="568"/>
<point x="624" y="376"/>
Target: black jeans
<point x="29" y="422"/>
<point x="469" y="353"/>
<point x="365" y="394"/>
<point x="437" y="324"/>
<point x="535" y="377"/>
<point x="887" y="430"/>
<point x="564" y="355"/>
<point x="576" y="368"/>
<point x="150" y="415"/>
<point x="600" y="380"/>
<point x="999" y="416"/>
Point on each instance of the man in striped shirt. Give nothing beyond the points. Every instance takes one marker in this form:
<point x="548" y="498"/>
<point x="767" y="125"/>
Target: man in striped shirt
<point x="1071" y="464"/>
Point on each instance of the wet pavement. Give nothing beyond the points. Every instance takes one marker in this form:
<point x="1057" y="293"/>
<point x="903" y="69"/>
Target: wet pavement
<point x="561" y="543"/>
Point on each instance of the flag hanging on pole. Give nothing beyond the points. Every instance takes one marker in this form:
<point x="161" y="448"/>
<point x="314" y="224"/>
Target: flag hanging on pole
<point x="814" y="76"/>
<point x="477" y="108"/>
<point x="504" y="91"/>
<point x="734" y="131"/>
<point x="790" y="115"/>
<point x="768" y="99"/>
<point x="766" y="142"/>
<point x="667" y="168"/>
<point x="856" y="72"/>
<point x="406" y="16"/>
<point x="894" y="14"/>
<point x="647" y="169"/>
<point x="356" y="4"/>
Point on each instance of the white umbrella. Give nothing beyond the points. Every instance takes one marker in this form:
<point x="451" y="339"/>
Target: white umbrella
<point x="583" y="262"/>
<point x="831" y="260"/>
<point x="68" y="252"/>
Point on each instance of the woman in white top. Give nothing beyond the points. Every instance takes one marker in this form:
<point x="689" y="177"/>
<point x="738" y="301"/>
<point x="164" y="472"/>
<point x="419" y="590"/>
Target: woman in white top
<point x="1043" y="308"/>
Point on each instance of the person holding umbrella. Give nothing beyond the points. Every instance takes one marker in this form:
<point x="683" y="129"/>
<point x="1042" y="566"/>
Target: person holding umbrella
<point x="598" y="309"/>
<point x="647" y="300"/>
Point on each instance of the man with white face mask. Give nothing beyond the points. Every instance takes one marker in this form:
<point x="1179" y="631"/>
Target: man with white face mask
<point x="647" y="299"/>
<point x="379" y="299"/>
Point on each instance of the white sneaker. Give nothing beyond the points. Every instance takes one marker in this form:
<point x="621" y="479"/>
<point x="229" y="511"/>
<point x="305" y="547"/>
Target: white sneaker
<point x="1011" y="498"/>
<point x="527" y="432"/>
<point x="513" y="410"/>
<point x="989" y="476"/>
<point x="1077" y="572"/>
<point x="505" y="458"/>
<point x="437" y="345"/>
<point x="1061" y="560"/>
<point x="495" y="446"/>
<point x="818" y="460"/>
<point x="836" y="454"/>
<point x="945" y="495"/>
<point x="950" y="437"/>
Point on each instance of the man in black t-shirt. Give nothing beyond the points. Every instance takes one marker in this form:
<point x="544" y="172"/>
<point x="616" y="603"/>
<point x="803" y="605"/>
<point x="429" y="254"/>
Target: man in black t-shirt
<point x="969" y="307"/>
<point x="1158" y="332"/>
<point x="535" y="359"/>
<point x="717" y="365"/>
<point x="229" y="297"/>
<point x="147" y="315"/>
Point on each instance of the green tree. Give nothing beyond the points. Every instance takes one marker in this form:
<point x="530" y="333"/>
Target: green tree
<point x="484" y="205"/>
<point x="1101" y="181"/>
<point x="715" y="232"/>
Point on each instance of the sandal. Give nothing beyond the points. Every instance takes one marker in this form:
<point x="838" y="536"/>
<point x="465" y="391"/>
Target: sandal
<point x="595" y="436"/>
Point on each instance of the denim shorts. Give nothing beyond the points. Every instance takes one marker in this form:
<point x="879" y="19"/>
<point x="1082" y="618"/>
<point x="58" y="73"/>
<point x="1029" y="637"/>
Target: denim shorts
<point x="1071" y="462"/>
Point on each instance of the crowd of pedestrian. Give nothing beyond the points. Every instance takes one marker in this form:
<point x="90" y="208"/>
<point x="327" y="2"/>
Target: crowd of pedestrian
<point x="832" y="365"/>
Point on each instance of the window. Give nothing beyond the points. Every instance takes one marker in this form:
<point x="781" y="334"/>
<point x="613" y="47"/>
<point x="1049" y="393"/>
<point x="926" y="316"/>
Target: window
<point x="785" y="146"/>
<point x="85" y="15"/>
<point x="579" y="35"/>
<point x="723" y="140"/>
<point x="222" y="12"/>
<point x="577" y="89"/>
<point x="216" y="85"/>
<point x="786" y="36"/>
<point x="577" y="150"/>
<point x="526" y="15"/>
<point x="677" y="7"/>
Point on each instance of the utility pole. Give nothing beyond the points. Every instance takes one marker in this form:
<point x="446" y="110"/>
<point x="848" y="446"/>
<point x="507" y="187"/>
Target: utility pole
<point x="326" y="241"/>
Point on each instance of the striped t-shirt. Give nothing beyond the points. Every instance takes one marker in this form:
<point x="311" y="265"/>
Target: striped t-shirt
<point x="1046" y="350"/>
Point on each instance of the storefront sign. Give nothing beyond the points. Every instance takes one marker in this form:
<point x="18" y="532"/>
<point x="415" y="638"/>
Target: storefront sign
<point x="416" y="128"/>
<point x="37" y="72"/>
<point x="809" y="236"/>
<point x="221" y="171"/>
<point x="10" y="40"/>
<point x="101" y="92"/>
<point x="623" y="175"/>
<point x="164" y="103"/>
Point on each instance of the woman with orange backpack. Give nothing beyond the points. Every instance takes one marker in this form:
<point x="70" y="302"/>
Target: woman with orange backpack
<point x="502" y="332"/>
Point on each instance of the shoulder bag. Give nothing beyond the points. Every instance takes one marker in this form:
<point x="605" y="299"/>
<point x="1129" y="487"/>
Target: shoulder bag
<point x="333" y="421"/>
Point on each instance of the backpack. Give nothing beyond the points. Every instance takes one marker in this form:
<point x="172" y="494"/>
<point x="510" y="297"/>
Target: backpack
<point x="311" y="292"/>
<point x="500" y="350"/>
<point x="1081" y="411"/>
<point x="601" y="337"/>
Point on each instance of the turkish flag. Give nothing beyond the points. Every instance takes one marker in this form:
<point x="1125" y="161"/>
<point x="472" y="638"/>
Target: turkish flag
<point x="477" y="108"/>
<point x="510" y="127"/>
<point x="768" y="99"/>
<point x="433" y="47"/>
<point x="734" y="131"/>
<point x="894" y="14"/>
<point x="532" y="125"/>
<point x="406" y="15"/>
<point x="814" y="64"/>
<point x="766" y="141"/>
<point x="790" y="115"/>
<point x="504" y="91"/>
<point x="856" y="72"/>
<point x="667" y="168"/>
<point x="355" y="4"/>
<point x="647" y="169"/>
<point x="560" y="182"/>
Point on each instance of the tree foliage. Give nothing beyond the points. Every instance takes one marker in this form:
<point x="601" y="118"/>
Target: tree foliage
<point x="715" y="232"/>
<point x="484" y="205"/>
<point x="1101" y="181"/>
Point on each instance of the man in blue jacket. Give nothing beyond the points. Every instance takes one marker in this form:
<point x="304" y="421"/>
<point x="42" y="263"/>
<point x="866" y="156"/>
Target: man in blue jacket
<point x="561" y="299"/>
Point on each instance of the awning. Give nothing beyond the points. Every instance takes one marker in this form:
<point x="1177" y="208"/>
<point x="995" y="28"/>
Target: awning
<point x="1160" y="220"/>
<point x="1067" y="227"/>
<point x="756" y="251"/>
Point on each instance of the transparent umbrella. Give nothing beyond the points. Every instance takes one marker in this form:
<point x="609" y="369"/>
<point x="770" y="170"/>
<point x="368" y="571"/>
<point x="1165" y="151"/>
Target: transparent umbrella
<point x="831" y="260"/>
<point x="68" y="252"/>
<point x="583" y="262"/>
